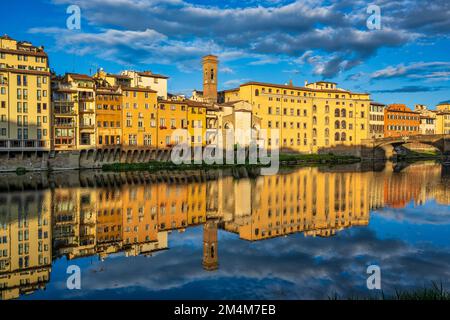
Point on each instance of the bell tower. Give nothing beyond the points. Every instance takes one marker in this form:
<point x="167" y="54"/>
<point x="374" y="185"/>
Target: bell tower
<point x="210" y="256"/>
<point x="210" y="68"/>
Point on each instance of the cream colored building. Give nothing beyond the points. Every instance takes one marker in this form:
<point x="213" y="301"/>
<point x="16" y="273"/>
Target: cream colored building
<point x="25" y="113"/>
<point x="149" y="80"/>
<point x="427" y="119"/>
<point x="376" y="120"/>
<point x="73" y="105"/>
<point x="233" y="118"/>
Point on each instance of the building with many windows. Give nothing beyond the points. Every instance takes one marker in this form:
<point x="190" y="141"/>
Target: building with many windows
<point x="149" y="80"/>
<point x="108" y="112"/>
<point x="401" y="121"/>
<point x="73" y="106"/>
<point x="376" y="120"/>
<point x="427" y="119"/>
<point x="24" y="97"/>
<point x="318" y="115"/>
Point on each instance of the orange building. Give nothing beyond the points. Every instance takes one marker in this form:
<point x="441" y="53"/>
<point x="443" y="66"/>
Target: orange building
<point x="400" y="121"/>
<point x="109" y="116"/>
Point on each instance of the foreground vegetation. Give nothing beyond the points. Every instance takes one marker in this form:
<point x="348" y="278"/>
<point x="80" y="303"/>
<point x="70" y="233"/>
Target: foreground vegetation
<point x="436" y="292"/>
<point x="415" y="155"/>
<point x="285" y="160"/>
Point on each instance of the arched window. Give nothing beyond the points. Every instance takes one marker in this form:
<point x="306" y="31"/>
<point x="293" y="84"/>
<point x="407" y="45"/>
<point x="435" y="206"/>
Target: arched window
<point x="256" y="92"/>
<point x="314" y="120"/>
<point x="337" y="113"/>
<point x="336" y="136"/>
<point x="314" y="132"/>
<point x="343" y="136"/>
<point x="314" y="108"/>
<point x="337" y="125"/>
<point x="343" y="125"/>
<point x="343" y="113"/>
<point x="327" y="121"/>
<point x="327" y="132"/>
<point x="327" y="109"/>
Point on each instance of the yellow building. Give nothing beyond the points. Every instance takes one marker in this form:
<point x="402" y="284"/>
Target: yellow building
<point x="443" y="106"/>
<point x="25" y="243"/>
<point x="306" y="200"/>
<point x="73" y="105"/>
<point x="25" y="113"/>
<point x="172" y="117"/>
<point x="196" y="120"/>
<point x="308" y="118"/>
<point x="443" y="122"/>
<point x="139" y="117"/>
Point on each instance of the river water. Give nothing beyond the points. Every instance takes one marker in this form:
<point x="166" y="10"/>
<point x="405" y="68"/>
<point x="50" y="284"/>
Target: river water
<point x="306" y="233"/>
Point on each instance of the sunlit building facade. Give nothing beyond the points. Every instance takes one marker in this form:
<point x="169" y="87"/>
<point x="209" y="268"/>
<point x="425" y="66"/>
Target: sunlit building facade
<point x="25" y="93"/>
<point x="309" y="118"/>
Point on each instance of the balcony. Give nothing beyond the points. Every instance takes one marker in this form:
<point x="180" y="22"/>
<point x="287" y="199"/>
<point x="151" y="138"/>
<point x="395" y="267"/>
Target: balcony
<point x="86" y="126"/>
<point x="24" y="144"/>
<point x="64" y="125"/>
<point x="86" y="99"/>
<point x="88" y="110"/>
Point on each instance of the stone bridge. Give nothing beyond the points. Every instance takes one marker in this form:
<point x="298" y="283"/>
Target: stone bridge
<point x="385" y="147"/>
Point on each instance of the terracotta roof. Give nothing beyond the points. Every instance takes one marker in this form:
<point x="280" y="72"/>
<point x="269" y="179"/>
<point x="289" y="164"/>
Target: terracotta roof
<point x="78" y="76"/>
<point x="377" y="104"/>
<point x="229" y="90"/>
<point x="283" y="86"/>
<point x="138" y="89"/>
<point x="22" y="71"/>
<point x="118" y="76"/>
<point x="6" y="37"/>
<point x="230" y="103"/>
<point x="173" y="102"/>
<point x="38" y="53"/>
<point x="153" y="75"/>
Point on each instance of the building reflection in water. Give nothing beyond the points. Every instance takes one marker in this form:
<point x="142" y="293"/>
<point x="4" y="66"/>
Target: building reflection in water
<point x="136" y="217"/>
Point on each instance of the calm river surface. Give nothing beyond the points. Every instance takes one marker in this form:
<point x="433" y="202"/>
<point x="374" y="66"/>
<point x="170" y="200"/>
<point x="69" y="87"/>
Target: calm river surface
<point x="307" y="233"/>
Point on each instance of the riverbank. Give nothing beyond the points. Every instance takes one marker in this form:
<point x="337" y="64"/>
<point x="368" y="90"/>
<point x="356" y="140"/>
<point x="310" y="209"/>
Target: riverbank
<point x="284" y="160"/>
<point x="416" y="156"/>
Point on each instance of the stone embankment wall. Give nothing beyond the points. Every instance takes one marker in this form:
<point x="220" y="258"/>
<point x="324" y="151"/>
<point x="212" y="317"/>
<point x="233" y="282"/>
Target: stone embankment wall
<point x="73" y="160"/>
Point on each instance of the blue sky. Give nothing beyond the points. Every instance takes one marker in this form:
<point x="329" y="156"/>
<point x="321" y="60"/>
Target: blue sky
<point x="407" y="61"/>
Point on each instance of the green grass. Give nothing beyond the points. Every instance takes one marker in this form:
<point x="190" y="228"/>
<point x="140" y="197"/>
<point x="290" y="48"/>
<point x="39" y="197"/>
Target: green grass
<point x="435" y="292"/>
<point x="319" y="158"/>
<point x="299" y="159"/>
<point x="419" y="155"/>
<point x="21" y="171"/>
